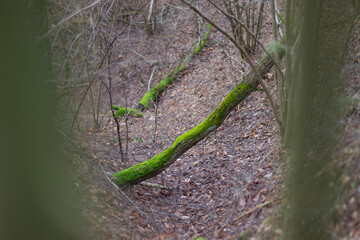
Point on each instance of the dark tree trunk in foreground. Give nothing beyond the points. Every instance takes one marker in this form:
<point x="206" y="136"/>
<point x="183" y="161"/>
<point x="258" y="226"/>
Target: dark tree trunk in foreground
<point x="26" y="73"/>
<point x="157" y="164"/>
<point x="313" y="128"/>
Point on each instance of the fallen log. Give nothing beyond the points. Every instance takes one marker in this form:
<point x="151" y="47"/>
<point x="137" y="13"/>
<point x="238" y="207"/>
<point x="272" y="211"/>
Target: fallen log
<point x="154" y="93"/>
<point x="157" y="164"/>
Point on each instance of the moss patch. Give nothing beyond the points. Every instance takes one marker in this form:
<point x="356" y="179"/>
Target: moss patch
<point x="130" y="111"/>
<point x="138" y="171"/>
<point x="155" y="165"/>
<point x="203" y="40"/>
<point x="151" y="167"/>
<point x="153" y="93"/>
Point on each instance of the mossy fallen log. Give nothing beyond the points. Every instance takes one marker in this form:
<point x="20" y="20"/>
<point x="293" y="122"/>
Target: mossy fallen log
<point x="154" y="93"/>
<point x="157" y="164"/>
<point x="129" y="111"/>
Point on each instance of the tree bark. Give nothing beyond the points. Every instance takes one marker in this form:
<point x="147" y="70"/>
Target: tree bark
<point x="157" y="164"/>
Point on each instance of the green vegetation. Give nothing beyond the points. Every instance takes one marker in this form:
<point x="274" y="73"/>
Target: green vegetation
<point x="153" y="93"/>
<point x="128" y="111"/>
<point x="203" y="40"/>
<point x="157" y="164"/>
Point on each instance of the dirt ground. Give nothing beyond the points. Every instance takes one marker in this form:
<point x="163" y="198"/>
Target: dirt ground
<point x="224" y="186"/>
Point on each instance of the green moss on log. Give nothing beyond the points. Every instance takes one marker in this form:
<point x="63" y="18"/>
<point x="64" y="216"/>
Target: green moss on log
<point x="153" y="166"/>
<point x="136" y="172"/>
<point x="153" y="93"/>
<point x="129" y="111"/>
<point x="157" y="164"/>
<point x="203" y="40"/>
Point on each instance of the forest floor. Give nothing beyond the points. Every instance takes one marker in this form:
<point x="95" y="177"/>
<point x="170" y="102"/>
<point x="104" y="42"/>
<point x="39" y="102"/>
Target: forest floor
<point x="221" y="188"/>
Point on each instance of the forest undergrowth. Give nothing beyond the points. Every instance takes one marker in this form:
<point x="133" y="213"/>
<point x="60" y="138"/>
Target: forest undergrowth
<point x="228" y="185"/>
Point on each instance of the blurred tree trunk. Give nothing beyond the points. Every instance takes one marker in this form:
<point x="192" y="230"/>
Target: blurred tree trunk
<point x="314" y="90"/>
<point x="32" y="206"/>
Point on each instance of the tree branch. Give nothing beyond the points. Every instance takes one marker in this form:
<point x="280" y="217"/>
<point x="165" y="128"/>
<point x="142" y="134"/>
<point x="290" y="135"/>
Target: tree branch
<point x="160" y="162"/>
<point x="249" y="31"/>
<point x="69" y="17"/>
<point x="244" y="53"/>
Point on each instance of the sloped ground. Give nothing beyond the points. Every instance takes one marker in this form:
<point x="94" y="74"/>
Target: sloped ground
<point x="232" y="171"/>
<point x="348" y="206"/>
<point x="346" y="159"/>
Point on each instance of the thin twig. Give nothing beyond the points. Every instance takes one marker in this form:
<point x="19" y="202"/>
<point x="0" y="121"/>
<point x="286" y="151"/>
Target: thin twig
<point x="154" y="185"/>
<point x="106" y="13"/>
<point x="114" y="117"/>
<point x="126" y="123"/>
<point x="151" y="76"/>
<point x="142" y="56"/>
<point x="250" y="32"/>
<point x="199" y="32"/>
<point x="150" y="10"/>
<point x="156" y="122"/>
<point x="177" y="7"/>
<point x="111" y="104"/>
<point x="231" y="58"/>
<point x="68" y="54"/>
<point x="244" y="53"/>
<point x="82" y="68"/>
<point x="257" y="207"/>
<point x="113" y="184"/>
<point x="57" y="33"/>
<point x="69" y="17"/>
<point x="278" y="22"/>
<point x="100" y="65"/>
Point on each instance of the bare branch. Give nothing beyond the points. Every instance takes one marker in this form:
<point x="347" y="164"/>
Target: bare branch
<point x="154" y="185"/>
<point x="244" y="53"/>
<point x="121" y="191"/>
<point x="151" y="76"/>
<point x="250" y="32"/>
<point x="114" y="117"/>
<point x="100" y="65"/>
<point x="150" y="10"/>
<point x="257" y="207"/>
<point x="69" y="17"/>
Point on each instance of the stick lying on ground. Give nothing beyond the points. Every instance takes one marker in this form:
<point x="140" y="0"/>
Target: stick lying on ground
<point x="153" y="93"/>
<point x="129" y="111"/>
<point x="157" y="164"/>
